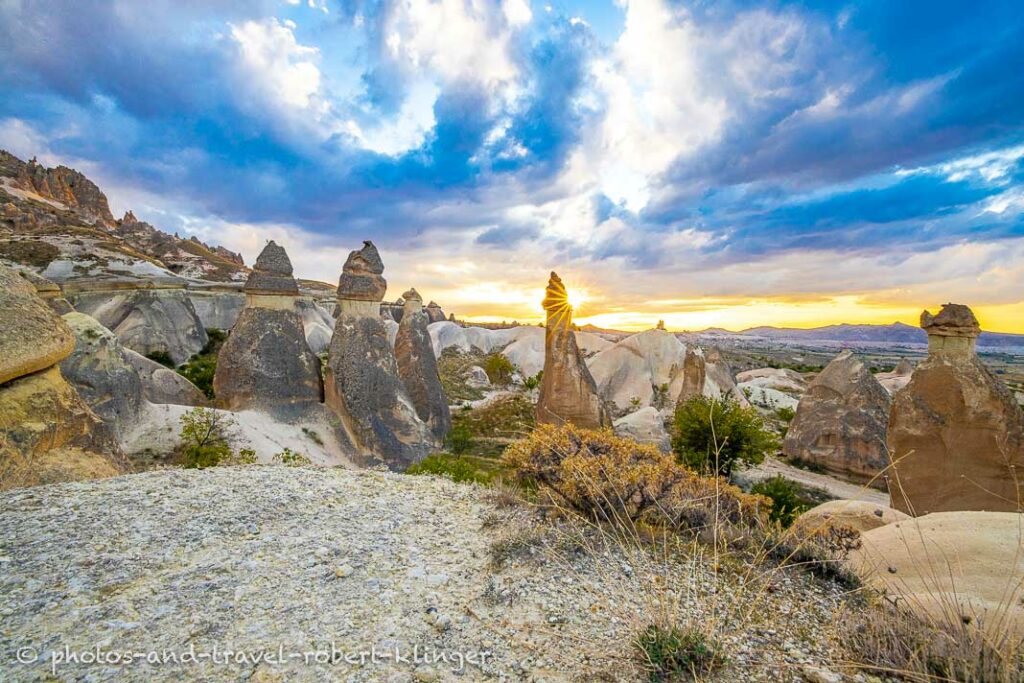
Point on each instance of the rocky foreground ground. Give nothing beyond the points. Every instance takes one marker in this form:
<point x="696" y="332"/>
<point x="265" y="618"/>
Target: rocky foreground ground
<point x="306" y="564"/>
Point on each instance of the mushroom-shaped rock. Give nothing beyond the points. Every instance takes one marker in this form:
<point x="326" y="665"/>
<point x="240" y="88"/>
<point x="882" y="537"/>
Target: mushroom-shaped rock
<point x="417" y="366"/>
<point x="32" y="336"/>
<point x="362" y="276"/>
<point x="568" y="392"/>
<point x="840" y="422"/>
<point x="272" y="273"/>
<point x="955" y="431"/>
<point x="362" y="383"/>
<point x="266" y="363"/>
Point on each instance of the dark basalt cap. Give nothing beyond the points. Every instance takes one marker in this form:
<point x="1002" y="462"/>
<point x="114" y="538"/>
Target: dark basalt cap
<point x="954" y="320"/>
<point x="272" y="273"/>
<point x="361" y="278"/>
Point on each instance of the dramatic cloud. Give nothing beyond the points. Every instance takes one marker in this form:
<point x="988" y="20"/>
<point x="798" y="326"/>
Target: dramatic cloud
<point x="708" y="163"/>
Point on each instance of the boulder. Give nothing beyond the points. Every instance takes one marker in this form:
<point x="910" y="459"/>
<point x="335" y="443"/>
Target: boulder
<point x="476" y="377"/>
<point x="707" y="373"/>
<point x="780" y="379"/>
<point x="32" y="336"/>
<point x="639" y="369"/>
<point x="162" y="385"/>
<point x="962" y="566"/>
<point x="568" y="392"/>
<point x="149" y="321"/>
<point x="898" y="378"/>
<point x="362" y="383"/>
<point x="646" y="425"/>
<point x="265" y="363"/>
<point x="767" y="398"/>
<point x="49" y="291"/>
<point x="857" y="514"/>
<point x="840" y="422"/>
<point x="955" y="431"/>
<point x="102" y="373"/>
<point x="418" y="368"/>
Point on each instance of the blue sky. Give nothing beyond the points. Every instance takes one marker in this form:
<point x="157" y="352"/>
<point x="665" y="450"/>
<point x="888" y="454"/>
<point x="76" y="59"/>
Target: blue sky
<point x="708" y="163"/>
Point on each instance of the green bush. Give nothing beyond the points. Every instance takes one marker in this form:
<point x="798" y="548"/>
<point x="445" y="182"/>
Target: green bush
<point x="531" y="383"/>
<point x="787" y="498"/>
<point x="459" y="439"/>
<point x="714" y="435"/>
<point x="456" y="468"/>
<point x="200" y="368"/>
<point x="785" y="413"/>
<point x="671" y="654"/>
<point x="499" y="369"/>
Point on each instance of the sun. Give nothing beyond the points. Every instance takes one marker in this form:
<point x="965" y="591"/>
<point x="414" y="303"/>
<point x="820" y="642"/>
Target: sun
<point x="577" y="297"/>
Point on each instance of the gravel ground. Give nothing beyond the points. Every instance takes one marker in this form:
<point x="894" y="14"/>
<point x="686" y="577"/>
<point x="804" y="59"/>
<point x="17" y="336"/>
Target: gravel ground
<point x="228" y="565"/>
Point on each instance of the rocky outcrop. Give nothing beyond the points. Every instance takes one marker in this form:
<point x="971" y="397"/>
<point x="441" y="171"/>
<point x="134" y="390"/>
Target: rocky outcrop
<point x="780" y="379"/>
<point x="434" y="313"/>
<point x="694" y="376"/>
<point x="855" y="514"/>
<point x="840" y="422"/>
<point x="417" y="367"/>
<point x="641" y="370"/>
<point x="707" y="373"/>
<point x="959" y="566"/>
<point x="898" y="378"/>
<point x="645" y="426"/>
<point x="149" y="321"/>
<point x="955" y="431"/>
<point x="218" y="308"/>
<point x="568" y="392"/>
<point x="160" y="384"/>
<point x="61" y="184"/>
<point x="48" y="291"/>
<point x="265" y="363"/>
<point x="101" y="372"/>
<point x="47" y="432"/>
<point x="362" y="383"/>
<point x="32" y="337"/>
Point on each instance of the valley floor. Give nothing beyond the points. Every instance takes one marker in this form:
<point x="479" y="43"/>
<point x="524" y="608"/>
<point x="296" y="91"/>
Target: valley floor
<point x="297" y="561"/>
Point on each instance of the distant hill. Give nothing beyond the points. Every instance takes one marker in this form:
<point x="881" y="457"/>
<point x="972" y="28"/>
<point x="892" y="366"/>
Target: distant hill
<point x="896" y="333"/>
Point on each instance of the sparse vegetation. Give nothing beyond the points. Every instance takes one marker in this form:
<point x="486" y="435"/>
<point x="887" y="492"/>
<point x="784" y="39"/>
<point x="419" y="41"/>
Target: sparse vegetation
<point x="452" y="367"/>
<point x="785" y="413"/>
<point x="459" y="439"/>
<point x="203" y="441"/>
<point x="534" y="381"/>
<point x="290" y="458"/>
<point x="460" y="469"/>
<point x="312" y="436"/>
<point x="671" y="653"/>
<point x="788" y="499"/>
<point x="714" y="436"/>
<point x="499" y="369"/>
<point x="201" y="367"/>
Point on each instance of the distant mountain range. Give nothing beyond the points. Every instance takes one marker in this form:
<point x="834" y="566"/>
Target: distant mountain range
<point x="895" y="333"/>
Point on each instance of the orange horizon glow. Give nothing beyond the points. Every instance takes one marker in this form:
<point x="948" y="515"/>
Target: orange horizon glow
<point x="699" y="314"/>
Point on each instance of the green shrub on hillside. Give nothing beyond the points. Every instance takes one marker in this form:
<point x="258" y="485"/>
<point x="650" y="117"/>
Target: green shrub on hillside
<point x="714" y="436"/>
<point x="672" y="654"/>
<point x="200" y="368"/>
<point x="203" y="443"/>
<point x="458" y="469"/>
<point x="788" y="499"/>
<point x="499" y="369"/>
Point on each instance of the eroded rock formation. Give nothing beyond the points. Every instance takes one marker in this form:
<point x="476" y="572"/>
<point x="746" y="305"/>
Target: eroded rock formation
<point x="362" y="384"/>
<point x="265" y="363"/>
<point x="47" y="432"/>
<point x="955" y="431"/>
<point x="417" y="366"/>
<point x="568" y="392"/>
<point x="840" y="422"/>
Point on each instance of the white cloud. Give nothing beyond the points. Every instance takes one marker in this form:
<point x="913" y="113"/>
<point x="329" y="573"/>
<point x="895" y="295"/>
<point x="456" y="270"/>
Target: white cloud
<point x="456" y="39"/>
<point x="274" y="64"/>
<point x="407" y="130"/>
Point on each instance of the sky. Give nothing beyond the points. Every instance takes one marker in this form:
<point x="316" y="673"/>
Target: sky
<point x="714" y="163"/>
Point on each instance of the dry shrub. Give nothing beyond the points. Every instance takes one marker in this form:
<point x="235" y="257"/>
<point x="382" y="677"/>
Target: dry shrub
<point x="822" y="550"/>
<point x="612" y="479"/>
<point x="887" y="640"/>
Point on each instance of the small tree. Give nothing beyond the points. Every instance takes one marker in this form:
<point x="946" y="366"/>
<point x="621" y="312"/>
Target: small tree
<point x="499" y="369"/>
<point x="202" y="438"/>
<point x="713" y="435"/>
<point x="459" y="439"/>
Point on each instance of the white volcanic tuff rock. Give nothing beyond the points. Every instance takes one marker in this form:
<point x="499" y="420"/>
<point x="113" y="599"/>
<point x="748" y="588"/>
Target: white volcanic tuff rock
<point x="217" y="309"/>
<point x="780" y="379"/>
<point x="948" y="565"/>
<point x="32" y="336"/>
<point x="100" y="370"/>
<point x="766" y="397"/>
<point x="148" y="320"/>
<point x="417" y="367"/>
<point x="163" y="385"/>
<point x="317" y="323"/>
<point x="719" y="379"/>
<point x="632" y="368"/>
<point x="158" y="429"/>
<point x="646" y="425"/>
<point x="857" y="514"/>
<point x="523" y="345"/>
